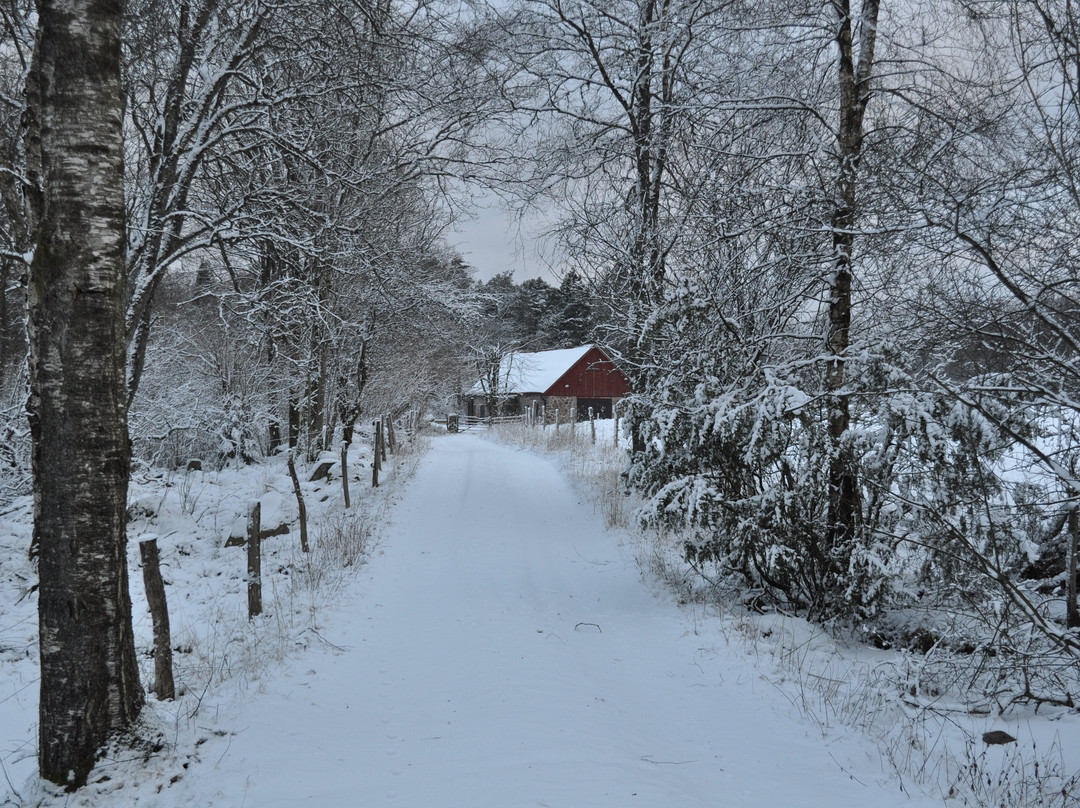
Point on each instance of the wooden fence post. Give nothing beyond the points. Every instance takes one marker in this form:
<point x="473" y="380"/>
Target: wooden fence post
<point x="391" y="437"/>
<point x="159" y="613"/>
<point x="345" y="472"/>
<point x="382" y="439"/>
<point x="558" y="414"/>
<point x="616" y="430"/>
<point x="543" y="416"/>
<point x="376" y="462"/>
<point x="254" y="562"/>
<point x="592" y="424"/>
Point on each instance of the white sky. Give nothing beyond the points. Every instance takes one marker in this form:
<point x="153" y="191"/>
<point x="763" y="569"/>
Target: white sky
<point x="493" y="242"/>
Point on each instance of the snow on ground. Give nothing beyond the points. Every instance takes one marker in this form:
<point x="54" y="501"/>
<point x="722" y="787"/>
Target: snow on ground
<point x="501" y="648"/>
<point x="919" y="712"/>
<point x="218" y="653"/>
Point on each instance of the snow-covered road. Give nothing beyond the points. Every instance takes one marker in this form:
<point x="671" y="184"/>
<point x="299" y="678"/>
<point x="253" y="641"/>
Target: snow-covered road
<point x="503" y="650"/>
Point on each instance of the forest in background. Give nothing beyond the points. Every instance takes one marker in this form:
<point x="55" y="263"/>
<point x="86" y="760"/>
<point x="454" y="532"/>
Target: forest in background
<point x="833" y="244"/>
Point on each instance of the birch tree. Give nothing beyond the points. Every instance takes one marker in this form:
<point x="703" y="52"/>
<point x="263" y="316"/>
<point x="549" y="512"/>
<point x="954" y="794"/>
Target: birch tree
<point x="197" y="85"/>
<point x="1001" y="198"/>
<point x="81" y="456"/>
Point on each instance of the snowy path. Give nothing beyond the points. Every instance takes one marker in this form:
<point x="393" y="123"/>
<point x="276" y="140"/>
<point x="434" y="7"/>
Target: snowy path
<point x="504" y="651"/>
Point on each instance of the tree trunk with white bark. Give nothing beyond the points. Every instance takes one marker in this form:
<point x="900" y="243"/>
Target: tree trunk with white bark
<point x="81" y="452"/>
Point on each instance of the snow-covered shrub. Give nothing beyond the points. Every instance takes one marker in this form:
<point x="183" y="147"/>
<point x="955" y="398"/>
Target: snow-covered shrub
<point x="954" y="504"/>
<point x="734" y="456"/>
<point x="742" y="470"/>
<point x="238" y="441"/>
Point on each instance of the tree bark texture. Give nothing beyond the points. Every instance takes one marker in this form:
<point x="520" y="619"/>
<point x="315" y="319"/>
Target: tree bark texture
<point x="376" y="463"/>
<point x="1072" y="609"/>
<point x="345" y="473"/>
<point x="77" y="406"/>
<point x="294" y="424"/>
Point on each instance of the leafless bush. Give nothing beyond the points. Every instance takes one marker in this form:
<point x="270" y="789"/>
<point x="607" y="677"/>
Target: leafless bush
<point x="1022" y="779"/>
<point x="14" y="440"/>
<point x="344" y="538"/>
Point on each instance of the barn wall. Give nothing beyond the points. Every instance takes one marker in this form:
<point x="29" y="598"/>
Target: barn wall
<point x="566" y="406"/>
<point x="592" y="376"/>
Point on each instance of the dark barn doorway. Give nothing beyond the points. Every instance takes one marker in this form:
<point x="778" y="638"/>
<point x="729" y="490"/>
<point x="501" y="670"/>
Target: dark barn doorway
<point x="601" y="408"/>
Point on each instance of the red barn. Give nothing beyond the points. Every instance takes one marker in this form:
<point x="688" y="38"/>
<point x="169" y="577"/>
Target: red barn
<point x="569" y="381"/>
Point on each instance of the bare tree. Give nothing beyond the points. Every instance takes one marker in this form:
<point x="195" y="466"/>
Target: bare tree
<point x="856" y="36"/>
<point x="1002" y="198"/>
<point x="197" y="87"/>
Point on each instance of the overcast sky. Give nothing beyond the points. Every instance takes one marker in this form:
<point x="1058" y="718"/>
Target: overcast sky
<point x="492" y="242"/>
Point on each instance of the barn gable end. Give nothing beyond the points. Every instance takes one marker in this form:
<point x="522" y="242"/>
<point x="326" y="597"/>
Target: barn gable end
<point x="592" y="376"/>
<point x="590" y="382"/>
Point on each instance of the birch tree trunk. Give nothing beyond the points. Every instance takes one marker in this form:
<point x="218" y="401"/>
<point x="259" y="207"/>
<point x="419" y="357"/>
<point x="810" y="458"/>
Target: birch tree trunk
<point x="81" y="453"/>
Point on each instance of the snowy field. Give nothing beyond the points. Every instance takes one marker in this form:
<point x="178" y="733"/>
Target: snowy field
<point x="501" y="646"/>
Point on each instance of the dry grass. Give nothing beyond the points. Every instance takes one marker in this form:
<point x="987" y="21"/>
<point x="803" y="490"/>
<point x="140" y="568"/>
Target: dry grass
<point x="596" y="465"/>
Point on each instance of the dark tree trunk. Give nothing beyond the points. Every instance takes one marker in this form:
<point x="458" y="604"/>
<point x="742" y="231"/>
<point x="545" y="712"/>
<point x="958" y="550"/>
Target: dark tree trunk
<point x="321" y="353"/>
<point x="376" y="462"/>
<point x="77" y="406"/>
<point x="300" y="506"/>
<point x="349" y="412"/>
<point x="345" y="474"/>
<point x="854" y="79"/>
<point x="294" y="424"/>
<point x="1072" y="609"/>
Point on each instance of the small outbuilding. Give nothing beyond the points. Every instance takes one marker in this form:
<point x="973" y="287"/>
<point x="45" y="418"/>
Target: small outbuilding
<point x="568" y="381"/>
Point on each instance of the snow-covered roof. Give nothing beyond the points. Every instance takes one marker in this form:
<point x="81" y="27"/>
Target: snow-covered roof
<point x="533" y="372"/>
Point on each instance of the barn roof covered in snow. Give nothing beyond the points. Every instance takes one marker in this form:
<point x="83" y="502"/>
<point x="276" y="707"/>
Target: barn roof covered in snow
<point x="534" y="372"/>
